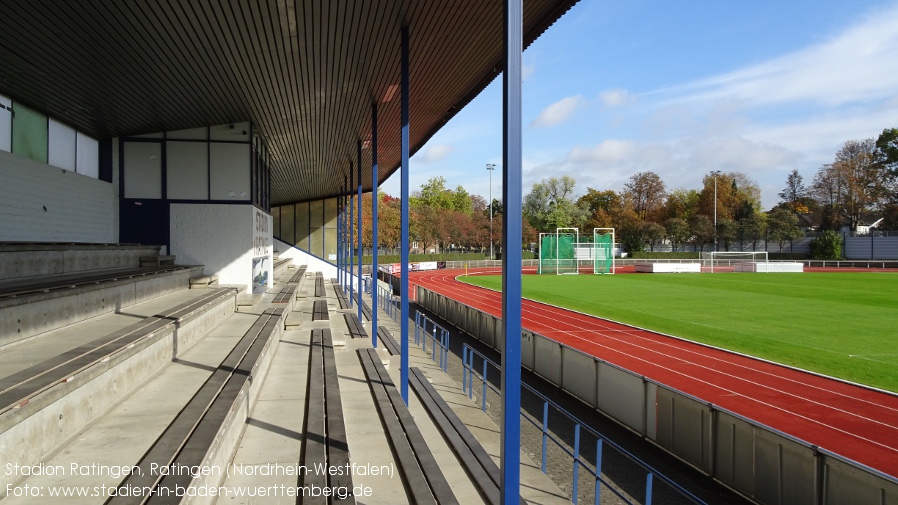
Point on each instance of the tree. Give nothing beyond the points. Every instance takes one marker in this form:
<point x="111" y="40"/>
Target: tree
<point x="677" y="231"/>
<point x="752" y="227"/>
<point x="727" y="232"/>
<point x="854" y="185"/>
<point x="794" y="191"/>
<point x="550" y="205"/>
<point x="702" y="229"/>
<point x="736" y="192"/>
<point x="827" y="246"/>
<point x="646" y="191"/>
<point x="595" y="200"/>
<point x="681" y="203"/>
<point x="653" y="233"/>
<point x="782" y="226"/>
<point x="886" y="151"/>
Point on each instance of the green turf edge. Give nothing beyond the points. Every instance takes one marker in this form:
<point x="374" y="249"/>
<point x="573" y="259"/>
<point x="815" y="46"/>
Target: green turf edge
<point x="836" y="324"/>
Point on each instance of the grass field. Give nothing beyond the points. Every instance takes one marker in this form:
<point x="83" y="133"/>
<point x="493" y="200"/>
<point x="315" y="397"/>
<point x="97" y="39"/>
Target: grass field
<point x="839" y="324"/>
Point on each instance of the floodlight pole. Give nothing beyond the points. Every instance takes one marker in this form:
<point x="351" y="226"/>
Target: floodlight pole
<point x="491" y="167"/>
<point x="715" y="173"/>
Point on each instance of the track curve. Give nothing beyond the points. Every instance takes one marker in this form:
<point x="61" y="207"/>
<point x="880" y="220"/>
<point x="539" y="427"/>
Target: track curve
<point x="850" y="420"/>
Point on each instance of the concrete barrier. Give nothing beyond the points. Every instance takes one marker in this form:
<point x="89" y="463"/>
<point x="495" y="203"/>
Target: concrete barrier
<point x="34" y="260"/>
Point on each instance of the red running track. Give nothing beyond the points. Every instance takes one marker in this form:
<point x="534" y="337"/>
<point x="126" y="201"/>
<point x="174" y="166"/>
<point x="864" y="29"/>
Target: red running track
<point x="855" y="422"/>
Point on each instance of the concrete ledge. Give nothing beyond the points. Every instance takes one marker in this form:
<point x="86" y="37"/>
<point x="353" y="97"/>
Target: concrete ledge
<point x="35" y="260"/>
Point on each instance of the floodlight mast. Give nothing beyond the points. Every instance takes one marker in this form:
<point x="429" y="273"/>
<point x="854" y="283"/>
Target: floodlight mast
<point x="715" y="173"/>
<point x="490" y="167"/>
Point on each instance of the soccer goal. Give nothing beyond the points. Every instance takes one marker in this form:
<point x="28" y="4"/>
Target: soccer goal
<point x="602" y="250"/>
<point x="557" y="251"/>
<point x="732" y="261"/>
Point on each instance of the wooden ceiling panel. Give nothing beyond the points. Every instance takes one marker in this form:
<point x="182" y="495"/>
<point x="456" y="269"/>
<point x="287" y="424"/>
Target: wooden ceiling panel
<point x="304" y="71"/>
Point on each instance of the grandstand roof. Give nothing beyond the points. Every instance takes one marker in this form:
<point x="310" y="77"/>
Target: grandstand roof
<point x="305" y="72"/>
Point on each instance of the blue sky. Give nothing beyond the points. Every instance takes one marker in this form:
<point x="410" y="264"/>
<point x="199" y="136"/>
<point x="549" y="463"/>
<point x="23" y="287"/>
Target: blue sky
<point x="681" y="89"/>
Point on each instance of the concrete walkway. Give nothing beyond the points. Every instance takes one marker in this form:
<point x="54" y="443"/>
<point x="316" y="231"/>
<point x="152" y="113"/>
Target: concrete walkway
<point x="272" y="440"/>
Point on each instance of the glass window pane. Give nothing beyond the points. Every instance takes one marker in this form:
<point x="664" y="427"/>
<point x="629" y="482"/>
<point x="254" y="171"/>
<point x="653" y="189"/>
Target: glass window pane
<point x="88" y="161"/>
<point x="61" y="145"/>
<point x="233" y="132"/>
<point x="230" y="171"/>
<point x="5" y="124"/>
<point x="29" y="133"/>
<point x="302" y="226"/>
<point x="276" y="222"/>
<point x="287" y="224"/>
<point x="143" y="170"/>
<point x="316" y="228"/>
<point x="191" y="134"/>
<point x="187" y="170"/>
<point x="330" y="230"/>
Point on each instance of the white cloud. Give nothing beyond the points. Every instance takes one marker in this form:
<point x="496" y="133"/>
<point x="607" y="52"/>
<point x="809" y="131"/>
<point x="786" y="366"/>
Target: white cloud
<point x="435" y="153"/>
<point x="527" y="70"/>
<point x="559" y="111"/>
<point x="858" y="65"/>
<point x="616" y="97"/>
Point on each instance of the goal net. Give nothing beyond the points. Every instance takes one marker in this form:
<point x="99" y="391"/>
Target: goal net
<point x="557" y="251"/>
<point x="602" y="250"/>
<point x="730" y="261"/>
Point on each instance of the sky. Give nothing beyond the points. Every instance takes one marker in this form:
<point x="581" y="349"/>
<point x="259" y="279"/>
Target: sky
<point x="682" y="89"/>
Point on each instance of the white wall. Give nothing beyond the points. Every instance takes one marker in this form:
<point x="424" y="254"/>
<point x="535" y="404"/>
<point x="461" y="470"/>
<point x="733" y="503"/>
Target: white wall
<point x="301" y="257"/>
<point x="219" y="236"/>
<point x="78" y="208"/>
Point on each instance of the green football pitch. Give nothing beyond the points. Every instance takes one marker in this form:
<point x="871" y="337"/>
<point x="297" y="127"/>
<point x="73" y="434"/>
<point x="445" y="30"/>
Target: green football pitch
<point x="839" y="324"/>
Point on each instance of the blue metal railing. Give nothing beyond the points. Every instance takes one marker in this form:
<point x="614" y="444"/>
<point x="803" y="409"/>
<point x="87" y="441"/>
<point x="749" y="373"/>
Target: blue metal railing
<point x="426" y="329"/>
<point x="387" y="303"/>
<point x="470" y="373"/>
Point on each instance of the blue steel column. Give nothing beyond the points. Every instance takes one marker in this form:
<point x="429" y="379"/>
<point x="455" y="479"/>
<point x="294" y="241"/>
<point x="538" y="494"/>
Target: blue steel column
<point x="512" y="200"/>
<point x="359" y="172"/>
<point x="374" y="225"/>
<point x="349" y="235"/>
<point x="339" y="238"/>
<point x="403" y="255"/>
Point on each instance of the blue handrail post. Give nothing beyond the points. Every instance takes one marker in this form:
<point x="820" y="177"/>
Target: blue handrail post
<point x="545" y="435"/>
<point x="464" y="367"/>
<point x="576" y="462"/>
<point x="598" y="470"/>
<point x="483" y="394"/>
<point x="648" y="489"/>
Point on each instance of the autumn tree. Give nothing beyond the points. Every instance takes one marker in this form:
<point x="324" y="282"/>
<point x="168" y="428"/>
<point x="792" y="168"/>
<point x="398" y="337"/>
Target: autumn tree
<point x="646" y="192"/>
<point x="677" y="232"/>
<point x="795" y="192"/>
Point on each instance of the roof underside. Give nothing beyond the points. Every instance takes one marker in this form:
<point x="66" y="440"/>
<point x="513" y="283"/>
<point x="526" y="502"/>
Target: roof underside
<point x="305" y="72"/>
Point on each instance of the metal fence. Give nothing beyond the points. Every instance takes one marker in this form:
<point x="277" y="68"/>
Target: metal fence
<point x="763" y="464"/>
<point x="428" y="330"/>
<point x="579" y="462"/>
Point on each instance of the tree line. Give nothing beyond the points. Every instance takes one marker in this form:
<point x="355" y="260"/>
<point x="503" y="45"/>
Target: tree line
<point x="861" y="181"/>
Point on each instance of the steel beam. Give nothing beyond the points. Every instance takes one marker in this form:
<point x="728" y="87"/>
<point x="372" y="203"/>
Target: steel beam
<point x="512" y="199"/>
<point x="403" y="287"/>
<point x="374" y="225"/>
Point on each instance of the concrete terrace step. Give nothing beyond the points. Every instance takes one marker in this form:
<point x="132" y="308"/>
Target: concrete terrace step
<point x="51" y="304"/>
<point x="56" y="412"/>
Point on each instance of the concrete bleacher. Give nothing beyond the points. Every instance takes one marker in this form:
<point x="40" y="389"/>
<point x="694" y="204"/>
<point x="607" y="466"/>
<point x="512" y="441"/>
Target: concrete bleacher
<point x="190" y="378"/>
